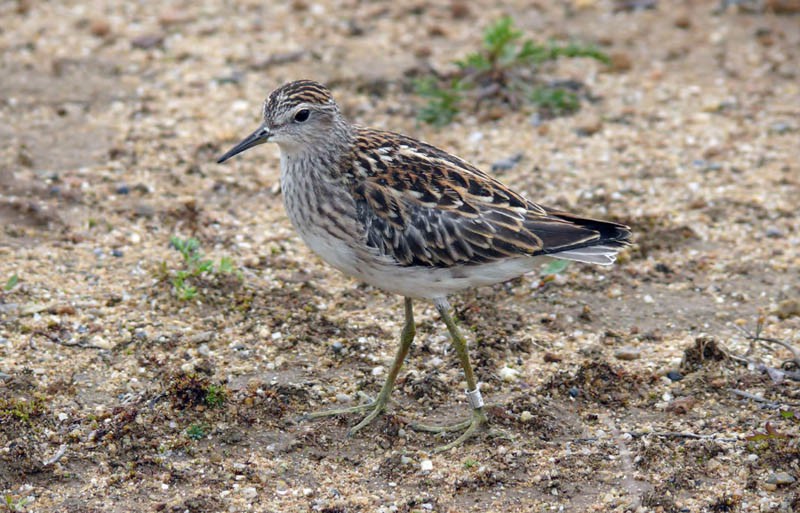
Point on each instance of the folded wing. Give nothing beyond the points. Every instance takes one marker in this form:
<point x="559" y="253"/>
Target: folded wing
<point x="424" y="207"/>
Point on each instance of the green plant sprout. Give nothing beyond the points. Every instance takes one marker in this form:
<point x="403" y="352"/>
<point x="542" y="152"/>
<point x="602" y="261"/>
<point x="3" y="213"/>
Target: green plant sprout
<point x="504" y="69"/>
<point x="195" y="267"/>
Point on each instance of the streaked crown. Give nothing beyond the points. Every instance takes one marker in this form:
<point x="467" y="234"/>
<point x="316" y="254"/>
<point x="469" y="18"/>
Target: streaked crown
<point x="299" y="92"/>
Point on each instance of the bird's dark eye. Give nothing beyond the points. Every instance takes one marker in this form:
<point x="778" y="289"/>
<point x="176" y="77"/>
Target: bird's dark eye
<point x="301" y="115"/>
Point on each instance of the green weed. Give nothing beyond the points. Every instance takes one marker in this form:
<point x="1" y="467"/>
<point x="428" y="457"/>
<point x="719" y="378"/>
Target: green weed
<point x="196" y="432"/>
<point x="12" y="282"/>
<point x="442" y="102"/>
<point x="15" y="504"/>
<point x="555" y="101"/>
<point x="215" y="395"/>
<point x="195" y="268"/>
<point x="20" y="410"/>
<point x="504" y="70"/>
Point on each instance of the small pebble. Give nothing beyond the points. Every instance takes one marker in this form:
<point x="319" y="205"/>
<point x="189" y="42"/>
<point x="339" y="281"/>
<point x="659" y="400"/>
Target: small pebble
<point x="674" y="375"/>
<point x="508" y="374"/>
<point x="277" y="59"/>
<point x="525" y="416"/>
<point x="201" y="337"/>
<point x="377" y="371"/>
<point x="780" y="128"/>
<point x="589" y="127"/>
<point x="663" y="268"/>
<point x="460" y="9"/>
<point x="683" y="21"/>
<point x="101" y="342"/>
<point x="574" y="392"/>
<point x="343" y="398"/>
<point x="233" y="78"/>
<point x="144" y="210"/>
<point x="706" y="165"/>
<point x="426" y="465"/>
<point x="506" y="163"/>
<point x="99" y="28"/>
<point x="773" y="233"/>
<point x="147" y="41"/>
<point x="337" y="347"/>
<point x="788" y="308"/>
<point x="620" y="62"/>
<point x="123" y="189"/>
<point x="780" y="479"/>
<point x="434" y="362"/>
<point x="250" y="492"/>
<point x="628" y="353"/>
<point x="116" y="253"/>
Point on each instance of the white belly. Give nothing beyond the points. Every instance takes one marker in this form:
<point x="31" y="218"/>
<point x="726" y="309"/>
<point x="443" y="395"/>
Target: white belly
<point x="414" y="282"/>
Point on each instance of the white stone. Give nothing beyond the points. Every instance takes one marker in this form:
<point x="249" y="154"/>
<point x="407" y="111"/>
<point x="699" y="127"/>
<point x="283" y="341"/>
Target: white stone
<point x="508" y="374"/>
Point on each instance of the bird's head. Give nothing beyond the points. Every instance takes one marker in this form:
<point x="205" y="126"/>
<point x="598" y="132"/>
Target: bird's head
<point x="298" y="116"/>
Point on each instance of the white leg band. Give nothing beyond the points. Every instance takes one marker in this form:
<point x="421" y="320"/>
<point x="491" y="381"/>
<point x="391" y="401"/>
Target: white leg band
<point x="474" y="398"/>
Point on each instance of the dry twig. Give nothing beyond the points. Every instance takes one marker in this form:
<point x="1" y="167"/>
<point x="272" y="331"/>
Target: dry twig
<point x="756" y="337"/>
<point x="759" y="399"/>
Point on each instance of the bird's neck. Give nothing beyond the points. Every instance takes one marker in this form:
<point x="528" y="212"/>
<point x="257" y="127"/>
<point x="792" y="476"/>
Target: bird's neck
<point x="321" y="157"/>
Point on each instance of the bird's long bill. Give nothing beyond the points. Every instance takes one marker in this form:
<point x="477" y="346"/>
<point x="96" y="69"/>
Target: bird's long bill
<point x="260" y="136"/>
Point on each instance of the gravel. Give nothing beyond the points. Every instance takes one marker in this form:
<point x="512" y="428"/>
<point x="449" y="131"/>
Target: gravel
<point x="122" y="108"/>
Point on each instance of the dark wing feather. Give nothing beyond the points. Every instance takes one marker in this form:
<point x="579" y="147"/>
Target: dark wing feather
<point x="425" y="207"/>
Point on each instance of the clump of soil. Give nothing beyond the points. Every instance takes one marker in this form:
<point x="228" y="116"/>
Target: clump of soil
<point x="597" y="382"/>
<point x="705" y="351"/>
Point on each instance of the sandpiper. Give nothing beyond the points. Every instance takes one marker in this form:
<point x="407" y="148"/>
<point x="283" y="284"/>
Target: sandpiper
<point x="411" y="219"/>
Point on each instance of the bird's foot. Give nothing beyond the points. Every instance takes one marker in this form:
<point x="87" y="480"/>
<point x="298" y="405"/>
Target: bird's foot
<point x="374" y="407"/>
<point x="469" y="426"/>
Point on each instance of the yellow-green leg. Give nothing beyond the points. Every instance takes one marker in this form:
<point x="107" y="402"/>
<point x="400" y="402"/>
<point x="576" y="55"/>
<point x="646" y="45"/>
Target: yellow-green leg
<point x="478" y="418"/>
<point x="377" y="406"/>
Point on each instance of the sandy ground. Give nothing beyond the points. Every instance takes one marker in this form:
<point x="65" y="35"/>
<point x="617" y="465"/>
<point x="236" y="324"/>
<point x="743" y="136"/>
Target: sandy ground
<point x="621" y="389"/>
